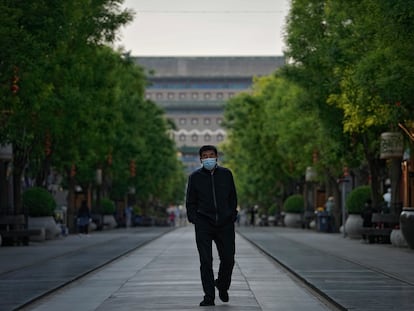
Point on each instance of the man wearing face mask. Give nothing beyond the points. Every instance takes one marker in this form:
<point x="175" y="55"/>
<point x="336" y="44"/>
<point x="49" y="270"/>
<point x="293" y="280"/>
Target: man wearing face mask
<point x="211" y="203"/>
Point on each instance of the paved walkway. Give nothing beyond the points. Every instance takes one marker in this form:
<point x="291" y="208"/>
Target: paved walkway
<point x="356" y="275"/>
<point x="160" y="271"/>
<point x="164" y="275"/>
<point x="27" y="272"/>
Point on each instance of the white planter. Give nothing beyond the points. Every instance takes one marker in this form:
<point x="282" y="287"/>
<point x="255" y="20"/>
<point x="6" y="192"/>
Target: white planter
<point x="353" y="226"/>
<point x="293" y="220"/>
<point x="48" y="223"/>
<point x="397" y="238"/>
<point x="109" y="221"/>
<point x="407" y="225"/>
<point x="38" y="235"/>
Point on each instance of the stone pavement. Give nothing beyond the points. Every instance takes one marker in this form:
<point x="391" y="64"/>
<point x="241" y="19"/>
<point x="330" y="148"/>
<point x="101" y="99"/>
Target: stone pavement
<point x="355" y="275"/>
<point x="163" y="273"/>
<point x="27" y="272"/>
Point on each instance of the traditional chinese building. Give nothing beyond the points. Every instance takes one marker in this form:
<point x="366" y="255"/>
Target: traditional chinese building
<point x="193" y="92"/>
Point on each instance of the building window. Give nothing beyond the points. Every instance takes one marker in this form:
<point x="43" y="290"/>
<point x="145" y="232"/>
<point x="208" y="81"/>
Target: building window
<point x="220" y="137"/>
<point x="194" y="121"/>
<point x="148" y="96"/>
<point x="207" y="96"/>
<point x="231" y="95"/>
<point x="194" y="95"/>
<point x="182" y="137"/>
<point x="159" y="95"/>
<point x="219" y="95"/>
<point x="207" y="137"/>
<point x="182" y="121"/>
<point x="194" y="137"/>
<point x="182" y="96"/>
<point x="207" y="121"/>
<point x="219" y="121"/>
<point x="170" y="95"/>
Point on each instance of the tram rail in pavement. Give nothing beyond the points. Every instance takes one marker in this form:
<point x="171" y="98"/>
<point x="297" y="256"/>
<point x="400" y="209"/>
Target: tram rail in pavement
<point x="164" y="275"/>
<point x="354" y="275"/>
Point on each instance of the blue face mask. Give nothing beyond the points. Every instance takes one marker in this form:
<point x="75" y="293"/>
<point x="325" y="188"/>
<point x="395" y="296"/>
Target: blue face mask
<point x="209" y="163"/>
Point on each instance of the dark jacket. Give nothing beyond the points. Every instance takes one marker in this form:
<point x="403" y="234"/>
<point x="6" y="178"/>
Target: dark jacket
<point x="211" y="196"/>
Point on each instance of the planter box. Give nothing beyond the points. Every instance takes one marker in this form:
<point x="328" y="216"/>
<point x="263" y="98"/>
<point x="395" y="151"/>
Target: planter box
<point x="109" y="222"/>
<point x="52" y="230"/>
<point x="407" y="225"/>
<point x="397" y="239"/>
<point x="293" y="220"/>
<point x="353" y="226"/>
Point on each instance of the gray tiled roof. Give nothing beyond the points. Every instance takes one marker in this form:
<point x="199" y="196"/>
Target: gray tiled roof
<point x="204" y="67"/>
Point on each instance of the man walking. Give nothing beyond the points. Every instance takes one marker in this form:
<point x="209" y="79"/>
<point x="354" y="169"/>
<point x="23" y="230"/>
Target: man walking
<point x="211" y="204"/>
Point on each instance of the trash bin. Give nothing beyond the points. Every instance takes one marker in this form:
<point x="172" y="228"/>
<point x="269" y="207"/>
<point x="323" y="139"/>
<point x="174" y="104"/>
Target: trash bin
<point x="323" y="222"/>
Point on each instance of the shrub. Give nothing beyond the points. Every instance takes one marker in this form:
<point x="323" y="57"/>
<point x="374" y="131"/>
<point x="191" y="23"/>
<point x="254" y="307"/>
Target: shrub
<point x="272" y="210"/>
<point x="107" y="206"/>
<point x="137" y="210"/>
<point x="294" y="204"/>
<point x="357" y="198"/>
<point x="38" y="202"/>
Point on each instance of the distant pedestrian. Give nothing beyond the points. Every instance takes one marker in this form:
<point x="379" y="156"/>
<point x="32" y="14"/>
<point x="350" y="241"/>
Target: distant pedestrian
<point x="253" y="212"/>
<point x="171" y="218"/>
<point x="387" y="200"/>
<point x="329" y="208"/>
<point x="366" y="214"/>
<point x="329" y="205"/>
<point x="83" y="218"/>
<point x="211" y="204"/>
<point x="128" y="216"/>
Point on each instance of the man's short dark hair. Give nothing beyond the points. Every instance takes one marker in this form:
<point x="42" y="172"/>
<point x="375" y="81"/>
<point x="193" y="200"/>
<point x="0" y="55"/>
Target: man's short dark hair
<point x="206" y="148"/>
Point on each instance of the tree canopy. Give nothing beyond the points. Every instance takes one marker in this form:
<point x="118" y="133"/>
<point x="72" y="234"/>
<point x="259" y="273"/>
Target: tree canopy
<point x="68" y="101"/>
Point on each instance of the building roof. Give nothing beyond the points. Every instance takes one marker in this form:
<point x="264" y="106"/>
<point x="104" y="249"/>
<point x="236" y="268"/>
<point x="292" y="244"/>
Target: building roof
<point x="209" y="67"/>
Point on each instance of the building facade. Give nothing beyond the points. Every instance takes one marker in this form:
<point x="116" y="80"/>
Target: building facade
<point x="193" y="92"/>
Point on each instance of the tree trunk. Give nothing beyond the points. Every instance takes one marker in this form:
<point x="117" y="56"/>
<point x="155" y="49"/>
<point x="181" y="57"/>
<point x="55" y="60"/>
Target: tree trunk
<point x="395" y="174"/>
<point x="71" y="203"/>
<point x="19" y="163"/>
<point x="374" y="166"/>
<point x="332" y="189"/>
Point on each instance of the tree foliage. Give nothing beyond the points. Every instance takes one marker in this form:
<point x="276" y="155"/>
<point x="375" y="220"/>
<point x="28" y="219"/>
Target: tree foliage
<point x="79" y="105"/>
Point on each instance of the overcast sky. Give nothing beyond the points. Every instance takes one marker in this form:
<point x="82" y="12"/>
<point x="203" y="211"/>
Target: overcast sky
<point x="205" y="27"/>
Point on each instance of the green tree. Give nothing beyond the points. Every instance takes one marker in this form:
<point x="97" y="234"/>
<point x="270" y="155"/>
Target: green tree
<point x="39" y="36"/>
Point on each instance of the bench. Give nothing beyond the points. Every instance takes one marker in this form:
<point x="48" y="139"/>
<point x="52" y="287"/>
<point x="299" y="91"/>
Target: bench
<point x="13" y="230"/>
<point x="382" y="225"/>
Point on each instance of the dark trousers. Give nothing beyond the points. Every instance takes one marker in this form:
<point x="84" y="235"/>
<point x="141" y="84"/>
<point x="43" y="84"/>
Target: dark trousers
<point x="224" y="238"/>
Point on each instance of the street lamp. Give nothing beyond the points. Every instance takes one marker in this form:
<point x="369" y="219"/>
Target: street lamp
<point x="6" y="158"/>
<point x="98" y="193"/>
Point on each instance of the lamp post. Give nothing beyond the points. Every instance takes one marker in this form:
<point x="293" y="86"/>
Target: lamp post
<point x="6" y="157"/>
<point x="344" y="181"/>
<point x="98" y="194"/>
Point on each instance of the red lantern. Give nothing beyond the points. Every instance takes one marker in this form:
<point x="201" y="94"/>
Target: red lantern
<point x="73" y="170"/>
<point x="109" y="159"/>
<point x="132" y="168"/>
<point x="48" y="145"/>
<point x="346" y="171"/>
<point x="14" y="87"/>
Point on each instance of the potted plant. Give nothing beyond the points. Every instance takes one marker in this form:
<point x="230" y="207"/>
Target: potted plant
<point x="293" y="208"/>
<point x="108" y="210"/>
<point x="271" y="218"/>
<point x="40" y="206"/>
<point x="354" y="205"/>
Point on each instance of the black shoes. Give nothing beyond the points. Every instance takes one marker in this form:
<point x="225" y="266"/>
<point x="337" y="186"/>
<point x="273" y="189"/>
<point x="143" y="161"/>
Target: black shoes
<point x="223" y="294"/>
<point x="206" y="303"/>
